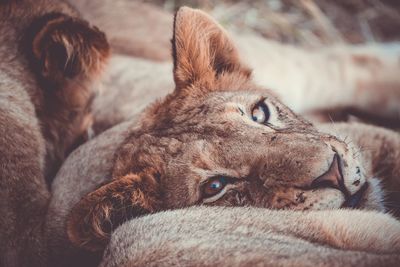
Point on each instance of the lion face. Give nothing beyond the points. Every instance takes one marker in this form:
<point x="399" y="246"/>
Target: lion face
<point x="244" y="147"/>
<point x="218" y="139"/>
<point x="221" y="140"/>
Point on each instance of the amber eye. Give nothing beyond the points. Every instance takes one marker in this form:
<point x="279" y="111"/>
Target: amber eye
<point x="260" y="113"/>
<point x="214" y="186"/>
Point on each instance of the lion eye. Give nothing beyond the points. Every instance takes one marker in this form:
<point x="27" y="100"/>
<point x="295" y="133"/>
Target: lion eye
<point x="260" y="113"/>
<point x="214" y="186"/>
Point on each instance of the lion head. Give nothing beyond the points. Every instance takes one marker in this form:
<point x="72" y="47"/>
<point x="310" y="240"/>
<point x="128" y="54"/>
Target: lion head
<point x="219" y="139"/>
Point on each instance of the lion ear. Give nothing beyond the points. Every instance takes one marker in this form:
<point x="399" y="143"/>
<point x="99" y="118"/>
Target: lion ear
<point x="96" y="215"/>
<point x="202" y="50"/>
<point x="63" y="47"/>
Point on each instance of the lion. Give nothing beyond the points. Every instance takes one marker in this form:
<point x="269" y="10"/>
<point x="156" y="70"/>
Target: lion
<point x="218" y="140"/>
<point x="248" y="236"/>
<point x="363" y="79"/>
<point x="51" y="63"/>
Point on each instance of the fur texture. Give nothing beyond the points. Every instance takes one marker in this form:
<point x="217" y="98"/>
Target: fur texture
<point x="200" y="130"/>
<point x="50" y="62"/>
<point x="256" y="237"/>
<point x="363" y="79"/>
<point x="205" y="130"/>
<point x="133" y="28"/>
<point x="82" y="173"/>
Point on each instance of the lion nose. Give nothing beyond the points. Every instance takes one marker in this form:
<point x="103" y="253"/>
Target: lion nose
<point x="333" y="178"/>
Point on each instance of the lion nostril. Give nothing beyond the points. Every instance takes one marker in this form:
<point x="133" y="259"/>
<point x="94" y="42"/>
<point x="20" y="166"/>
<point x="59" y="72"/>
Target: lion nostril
<point x="332" y="178"/>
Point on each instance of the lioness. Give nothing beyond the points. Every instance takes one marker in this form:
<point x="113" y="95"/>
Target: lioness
<point x="219" y="139"/>
<point x="363" y="79"/>
<point x="50" y="60"/>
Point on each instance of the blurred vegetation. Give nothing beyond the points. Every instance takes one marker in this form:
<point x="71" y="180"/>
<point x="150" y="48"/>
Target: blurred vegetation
<point x="305" y="22"/>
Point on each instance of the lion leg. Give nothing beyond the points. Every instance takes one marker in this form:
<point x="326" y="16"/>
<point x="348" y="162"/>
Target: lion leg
<point x="362" y="79"/>
<point x="97" y="214"/>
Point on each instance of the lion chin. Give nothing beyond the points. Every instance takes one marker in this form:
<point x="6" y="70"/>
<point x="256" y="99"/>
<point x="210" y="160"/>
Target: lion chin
<point x="374" y="196"/>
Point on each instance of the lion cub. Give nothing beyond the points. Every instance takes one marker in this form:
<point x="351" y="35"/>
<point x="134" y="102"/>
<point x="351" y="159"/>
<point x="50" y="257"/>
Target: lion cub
<point x="50" y="60"/>
<point x="219" y="139"/>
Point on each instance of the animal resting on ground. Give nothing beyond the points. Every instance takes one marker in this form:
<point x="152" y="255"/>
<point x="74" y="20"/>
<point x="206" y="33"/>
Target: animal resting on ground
<point x="218" y="139"/>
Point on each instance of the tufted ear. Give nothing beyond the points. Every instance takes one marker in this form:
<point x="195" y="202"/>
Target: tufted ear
<point x="64" y="47"/>
<point x="202" y="50"/>
<point x="93" y="218"/>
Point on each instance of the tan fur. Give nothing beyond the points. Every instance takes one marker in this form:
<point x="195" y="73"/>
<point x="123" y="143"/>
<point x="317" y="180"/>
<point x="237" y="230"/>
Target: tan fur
<point x="379" y="149"/>
<point x="357" y="75"/>
<point x="133" y="28"/>
<point x="84" y="170"/>
<point x="83" y="173"/>
<point x="204" y="129"/>
<point x="205" y="236"/>
<point x="370" y="90"/>
<point x="127" y="81"/>
<point x="133" y="79"/>
<point x="196" y="132"/>
<point x="50" y="62"/>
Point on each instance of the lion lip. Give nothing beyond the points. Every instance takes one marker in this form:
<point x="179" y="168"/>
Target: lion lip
<point x="354" y="200"/>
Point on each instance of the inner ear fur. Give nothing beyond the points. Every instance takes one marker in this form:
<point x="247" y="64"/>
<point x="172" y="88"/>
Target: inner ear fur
<point x="96" y="215"/>
<point x="64" y="47"/>
<point x="202" y="49"/>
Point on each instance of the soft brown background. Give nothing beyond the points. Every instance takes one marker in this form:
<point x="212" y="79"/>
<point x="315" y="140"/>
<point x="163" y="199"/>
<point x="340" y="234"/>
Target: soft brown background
<point x="306" y="22"/>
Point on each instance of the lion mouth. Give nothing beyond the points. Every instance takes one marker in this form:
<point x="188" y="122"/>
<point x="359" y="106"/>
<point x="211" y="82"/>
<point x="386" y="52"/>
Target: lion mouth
<point x="353" y="201"/>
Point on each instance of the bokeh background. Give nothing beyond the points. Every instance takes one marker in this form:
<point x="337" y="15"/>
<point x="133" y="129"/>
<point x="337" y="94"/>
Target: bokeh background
<point x="309" y="23"/>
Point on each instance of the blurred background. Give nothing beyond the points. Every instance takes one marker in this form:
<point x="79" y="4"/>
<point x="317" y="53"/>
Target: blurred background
<point x="309" y="23"/>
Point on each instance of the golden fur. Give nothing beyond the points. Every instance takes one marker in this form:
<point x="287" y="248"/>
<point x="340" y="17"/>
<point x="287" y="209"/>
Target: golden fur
<point x="246" y="236"/>
<point x="161" y="159"/>
<point x="204" y="129"/>
<point x="90" y="167"/>
<point x="357" y="74"/>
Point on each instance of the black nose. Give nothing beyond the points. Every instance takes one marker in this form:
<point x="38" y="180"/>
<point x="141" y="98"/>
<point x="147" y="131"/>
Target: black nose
<point x="333" y="178"/>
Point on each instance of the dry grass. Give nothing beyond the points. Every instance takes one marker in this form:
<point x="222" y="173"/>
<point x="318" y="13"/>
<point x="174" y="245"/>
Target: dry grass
<point x="305" y="22"/>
